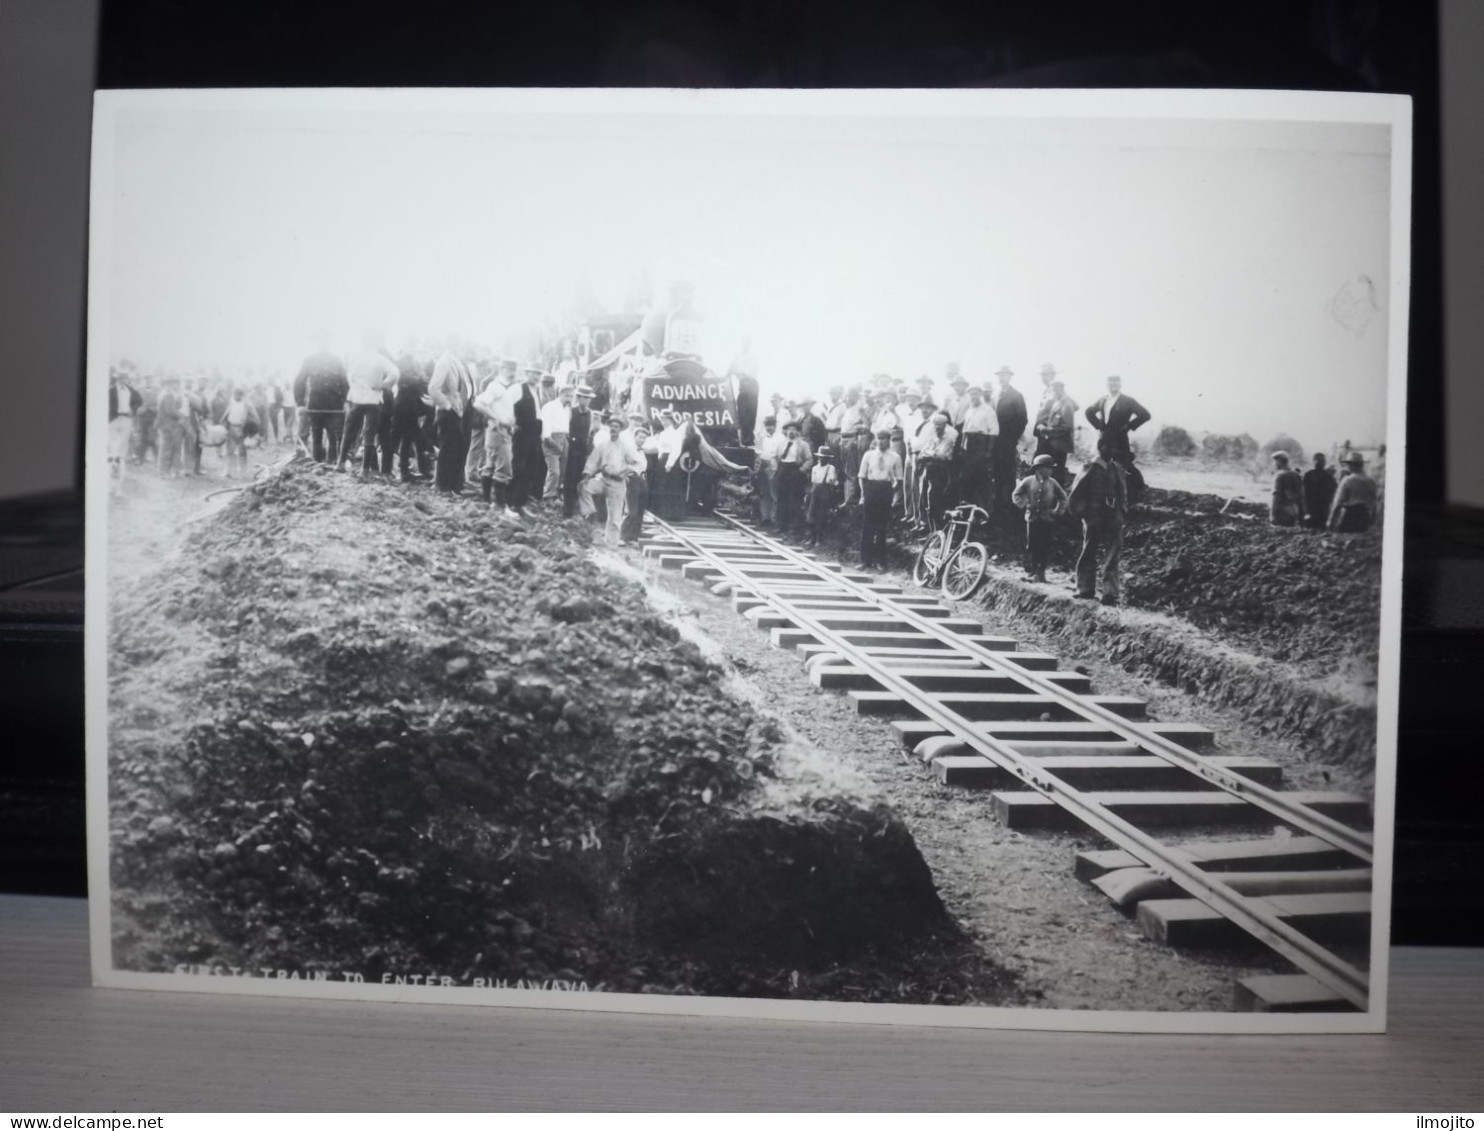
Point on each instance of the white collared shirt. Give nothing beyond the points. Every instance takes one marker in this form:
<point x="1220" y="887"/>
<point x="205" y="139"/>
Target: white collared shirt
<point x="556" y="418"/>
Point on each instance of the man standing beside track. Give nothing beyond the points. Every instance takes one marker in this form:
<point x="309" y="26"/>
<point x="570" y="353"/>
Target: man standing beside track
<point x="1010" y="413"/>
<point x="1099" y="497"/>
<point x="579" y="447"/>
<point x="880" y="474"/>
<point x="612" y="461"/>
<point x="769" y="444"/>
<point x="979" y="428"/>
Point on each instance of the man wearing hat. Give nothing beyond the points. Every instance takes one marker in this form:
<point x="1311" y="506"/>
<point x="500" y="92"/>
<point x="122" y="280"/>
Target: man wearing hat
<point x="528" y="467"/>
<point x="1009" y="409"/>
<point x="1355" y="504"/>
<point x="546" y="387"/>
<point x="610" y="465"/>
<point x="1115" y="416"/>
<point x="579" y="446"/>
<point x="978" y="430"/>
<point x="636" y="489"/>
<point x="1055" y="425"/>
<point x="957" y="400"/>
<point x="556" y="423"/>
<point x="1099" y="497"/>
<point x="1048" y="375"/>
<point x="765" y="480"/>
<point x="824" y="490"/>
<point x="855" y="415"/>
<point x="1319" y="493"/>
<point x="1288" y="493"/>
<point x="915" y="432"/>
<point x="794" y="460"/>
<point x="1042" y="499"/>
<point x="880" y="476"/>
<point x="832" y="412"/>
<point x="782" y="413"/>
<point x="853" y="446"/>
<point x="886" y="416"/>
<point x="811" y="425"/>
<point x="925" y="387"/>
<point x="496" y="405"/>
<point x="935" y="455"/>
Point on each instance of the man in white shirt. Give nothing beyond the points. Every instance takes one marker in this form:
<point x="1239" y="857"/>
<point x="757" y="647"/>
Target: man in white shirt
<point x="496" y="403"/>
<point x="781" y="412"/>
<point x="880" y="474"/>
<point x="832" y="412"/>
<point x="556" y="424"/>
<point x="886" y="417"/>
<point x="955" y="403"/>
<point x="613" y="460"/>
<point x="370" y="372"/>
<point x="935" y="453"/>
<point x="671" y="441"/>
<point x="856" y="413"/>
<point x="980" y="426"/>
<point x="794" y="458"/>
<point x="769" y="444"/>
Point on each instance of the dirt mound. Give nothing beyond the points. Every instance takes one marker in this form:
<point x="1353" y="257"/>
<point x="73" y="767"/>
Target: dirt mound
<point x="1308" y="598"/>
<point x="355" y="728"/>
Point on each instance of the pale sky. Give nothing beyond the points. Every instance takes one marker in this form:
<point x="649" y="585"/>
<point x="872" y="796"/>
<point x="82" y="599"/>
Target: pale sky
<point x="1215" y="266"/>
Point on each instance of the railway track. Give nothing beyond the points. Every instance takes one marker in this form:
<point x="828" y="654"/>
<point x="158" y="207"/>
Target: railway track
<point x="1291" y="869"/>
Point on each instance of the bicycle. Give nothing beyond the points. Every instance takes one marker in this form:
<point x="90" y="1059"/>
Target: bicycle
<point x="951" y="558"/>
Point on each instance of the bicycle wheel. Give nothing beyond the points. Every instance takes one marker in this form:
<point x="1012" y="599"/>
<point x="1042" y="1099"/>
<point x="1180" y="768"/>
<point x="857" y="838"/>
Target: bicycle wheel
<point x="965" y="570"/>
<point x="929" y="563"/>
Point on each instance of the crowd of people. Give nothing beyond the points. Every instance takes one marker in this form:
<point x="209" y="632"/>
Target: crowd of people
<point x="906" y="455"/>
<point x="530" y="434"/>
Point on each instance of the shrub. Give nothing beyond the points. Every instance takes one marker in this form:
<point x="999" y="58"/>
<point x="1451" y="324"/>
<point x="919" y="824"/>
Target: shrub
<point x="1174" y="441"/>
<point x="1228" y="449"/>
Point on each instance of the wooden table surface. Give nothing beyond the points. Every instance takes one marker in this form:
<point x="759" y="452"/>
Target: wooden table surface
<point x="66" y="1047"/>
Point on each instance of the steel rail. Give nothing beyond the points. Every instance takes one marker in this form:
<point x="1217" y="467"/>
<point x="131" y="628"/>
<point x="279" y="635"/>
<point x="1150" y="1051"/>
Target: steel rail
<point x="1332" y="971"/>
<point x="1337" y="833"/>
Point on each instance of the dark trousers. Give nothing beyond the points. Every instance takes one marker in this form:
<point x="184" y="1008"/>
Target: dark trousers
<point x="790" y="487"/>
<point x="1037" y="546"/>
<point x="466" y="440"/>
<point x="875" y="518"/>
<point x="361" y="418"/>
<point x="637" y="498"/>
<point x="450" y="449"/>
<point x="326" y="424"/>
<point x="747" y="390"/>
<point x="1006" y="473"/>
<point x="526" y="464"/>
<point x="935" y="488"/>
<point x="406" y="440"/>
<point x="1102" y="542"/>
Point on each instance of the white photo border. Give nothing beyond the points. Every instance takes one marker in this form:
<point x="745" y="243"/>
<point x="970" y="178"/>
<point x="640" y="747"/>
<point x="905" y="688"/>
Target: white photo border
<point x="1393" y="111"/>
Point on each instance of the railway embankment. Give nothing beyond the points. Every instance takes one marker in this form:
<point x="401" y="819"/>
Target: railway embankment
<point x="1277" y="626"/>
<point x="362" y="729"/>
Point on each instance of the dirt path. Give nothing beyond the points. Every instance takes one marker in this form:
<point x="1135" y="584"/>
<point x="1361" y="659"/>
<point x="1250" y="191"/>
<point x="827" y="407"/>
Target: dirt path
<point x="1014" y="893"/>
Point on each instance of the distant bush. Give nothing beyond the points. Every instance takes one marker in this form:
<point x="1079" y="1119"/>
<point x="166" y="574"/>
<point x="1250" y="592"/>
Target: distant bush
<point x="1283" y="442"/>
<point x="1174" y="441"/>
<point x="1228" y="449"/>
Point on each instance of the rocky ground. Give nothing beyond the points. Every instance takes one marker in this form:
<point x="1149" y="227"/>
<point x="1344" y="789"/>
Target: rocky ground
<point x="357" y="727"/>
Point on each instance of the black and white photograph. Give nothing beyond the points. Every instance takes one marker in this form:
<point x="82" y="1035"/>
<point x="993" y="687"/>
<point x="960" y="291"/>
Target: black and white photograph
<point x="889" y="556"/>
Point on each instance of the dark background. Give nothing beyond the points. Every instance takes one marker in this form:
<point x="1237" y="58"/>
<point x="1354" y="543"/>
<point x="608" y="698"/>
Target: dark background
<point x="1358" y="45"/>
